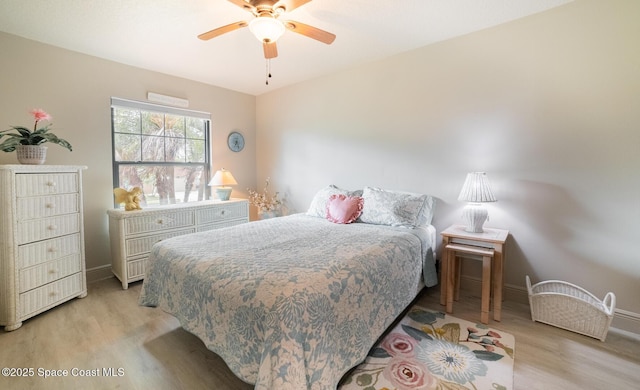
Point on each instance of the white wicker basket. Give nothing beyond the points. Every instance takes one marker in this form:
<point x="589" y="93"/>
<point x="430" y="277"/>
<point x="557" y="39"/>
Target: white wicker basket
<point x="570" y="307"/>
<point x="31" y="154"/>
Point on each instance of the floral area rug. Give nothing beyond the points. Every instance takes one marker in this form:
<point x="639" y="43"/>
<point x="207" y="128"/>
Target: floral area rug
<point x="429" y="350"/>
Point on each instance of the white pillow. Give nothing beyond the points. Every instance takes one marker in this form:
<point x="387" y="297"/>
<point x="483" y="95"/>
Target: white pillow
<point x="395" y="208"/>
<point x="318" y="207"/>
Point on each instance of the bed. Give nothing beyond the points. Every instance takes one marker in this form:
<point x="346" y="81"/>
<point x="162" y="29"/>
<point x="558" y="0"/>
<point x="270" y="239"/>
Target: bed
<point x="294" y="302"/>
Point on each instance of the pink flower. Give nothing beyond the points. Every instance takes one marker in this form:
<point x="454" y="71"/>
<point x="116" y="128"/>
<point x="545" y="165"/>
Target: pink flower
<point x="408" y="374"/>
<point x="40" y="115"/>
<point x="397" y="344"/>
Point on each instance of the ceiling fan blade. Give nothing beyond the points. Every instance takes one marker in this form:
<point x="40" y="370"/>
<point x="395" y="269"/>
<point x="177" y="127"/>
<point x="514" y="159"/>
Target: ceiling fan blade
<point x="270" y="49"/>
<point x="222" y="30"/>
<point x="243" y="4"/>
<point x="289" y="5"/>
<point x="310" y="31"/>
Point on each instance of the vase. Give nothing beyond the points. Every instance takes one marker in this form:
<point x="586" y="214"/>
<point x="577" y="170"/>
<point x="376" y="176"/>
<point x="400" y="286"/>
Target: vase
<point x="31" y="154"/>
<point x="266" y="214"/>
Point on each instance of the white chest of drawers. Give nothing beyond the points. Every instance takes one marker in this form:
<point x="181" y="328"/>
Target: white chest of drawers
<point x="41" y="240"/>
<point x="133" y="233"/>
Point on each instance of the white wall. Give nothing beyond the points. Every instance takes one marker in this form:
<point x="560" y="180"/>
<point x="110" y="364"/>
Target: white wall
<point x="76" y="90"/>
<point x="548" y="106"/>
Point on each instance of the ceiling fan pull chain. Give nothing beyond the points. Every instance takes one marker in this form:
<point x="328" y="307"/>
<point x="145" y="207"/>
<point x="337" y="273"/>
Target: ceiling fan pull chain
<point x="268" y="71"/>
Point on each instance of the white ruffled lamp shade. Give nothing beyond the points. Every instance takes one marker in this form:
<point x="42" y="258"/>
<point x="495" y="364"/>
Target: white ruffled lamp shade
<point x="223" y="179"/>
<point x="476" y="190"/>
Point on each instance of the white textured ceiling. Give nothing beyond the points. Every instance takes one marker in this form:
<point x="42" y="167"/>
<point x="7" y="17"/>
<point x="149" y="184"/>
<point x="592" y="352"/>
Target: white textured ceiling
<point x="161" y="35"/>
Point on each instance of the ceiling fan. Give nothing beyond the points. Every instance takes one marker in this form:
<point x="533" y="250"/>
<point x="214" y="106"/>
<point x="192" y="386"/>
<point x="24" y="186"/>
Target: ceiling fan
<point x="267" y="27"/>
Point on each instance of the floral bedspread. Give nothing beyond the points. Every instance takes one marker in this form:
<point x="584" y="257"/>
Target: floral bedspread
<point x="291" y="302"/>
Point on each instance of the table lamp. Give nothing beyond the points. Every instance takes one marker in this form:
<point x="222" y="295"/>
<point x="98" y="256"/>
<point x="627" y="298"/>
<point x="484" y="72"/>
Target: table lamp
<point x="476" y="190"/>
<point x="223" y="179"/>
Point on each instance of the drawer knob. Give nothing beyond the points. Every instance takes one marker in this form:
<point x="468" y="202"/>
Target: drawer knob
<point x="159" y="222"/>
<point x="222" y="212"/>
<point x="51" y="183"/>
<point x="53" y="294"/>
<point x="52" y="227"/>
<point x="49" y="205"/>
<point x="53" y="271"/>
<point x="52" y="250"/>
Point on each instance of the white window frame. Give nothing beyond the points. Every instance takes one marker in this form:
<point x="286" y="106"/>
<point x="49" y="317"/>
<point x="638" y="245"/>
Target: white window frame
<point x="167" y="110"/>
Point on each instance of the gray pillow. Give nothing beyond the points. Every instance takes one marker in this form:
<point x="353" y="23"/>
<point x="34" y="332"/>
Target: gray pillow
<point x="396" y="208"/>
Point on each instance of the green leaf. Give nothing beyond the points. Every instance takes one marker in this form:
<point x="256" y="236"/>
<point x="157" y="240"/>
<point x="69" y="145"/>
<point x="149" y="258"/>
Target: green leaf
<point x="416" y="333"/>
<point x="19" y="129"/>
<point x="488" y="356"/>
<point x="23" y="131"/>
<point x="364" y="379"/>
<point x="37" y="140"/>
<point x="48" y="137"/>
<point x="15" y="136"/>
<point x="378" y="352"/>
<point x="423" y="316"/>
<point x="9" y="144"/>
<point x="347" y="380"/>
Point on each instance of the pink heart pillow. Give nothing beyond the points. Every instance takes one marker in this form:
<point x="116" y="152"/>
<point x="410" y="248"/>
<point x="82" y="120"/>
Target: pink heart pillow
<point x="343" y="208"/>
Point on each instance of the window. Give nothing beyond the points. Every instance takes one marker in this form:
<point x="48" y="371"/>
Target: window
<point x="163" y="150"/>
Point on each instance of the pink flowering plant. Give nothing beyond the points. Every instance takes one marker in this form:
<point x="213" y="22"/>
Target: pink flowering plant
<point x="20" y="135"/>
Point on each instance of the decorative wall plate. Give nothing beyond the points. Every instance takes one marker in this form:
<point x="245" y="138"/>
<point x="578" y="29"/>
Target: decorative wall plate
<point x="235" y="141"/>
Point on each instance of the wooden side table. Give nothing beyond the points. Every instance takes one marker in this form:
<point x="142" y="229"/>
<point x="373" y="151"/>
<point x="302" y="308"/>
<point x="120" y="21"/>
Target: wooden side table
<point x="489" y="245"/>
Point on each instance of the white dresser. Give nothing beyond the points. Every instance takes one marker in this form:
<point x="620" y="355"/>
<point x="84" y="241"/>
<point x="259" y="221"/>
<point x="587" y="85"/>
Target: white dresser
<point x="133" y="233"/>
<point x="41" y="240"/>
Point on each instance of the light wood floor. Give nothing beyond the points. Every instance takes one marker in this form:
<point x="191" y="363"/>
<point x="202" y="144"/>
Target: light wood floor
<point x="108" y="329"/>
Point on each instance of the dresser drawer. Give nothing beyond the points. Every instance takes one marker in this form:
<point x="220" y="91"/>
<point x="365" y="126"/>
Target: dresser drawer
<point x="212" y="226"/>
<point x="43" y="251"/>
<point x="41" y="229"/>
<point x="49" y="294"/>
<point x="30" y="184"/>
<point x="47" y="206"/>
<point x="221" y="212"/>
<point x="142" y="245"/>
<point x="136" y="269"/>
<point x="160" y="221"/>
<point x="42" y="274"/>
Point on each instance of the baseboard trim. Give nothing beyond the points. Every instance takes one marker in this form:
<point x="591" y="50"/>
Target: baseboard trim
<point x="511" y="292"/>
<point x="624" y="321"/>
<point x="96" y="274"/>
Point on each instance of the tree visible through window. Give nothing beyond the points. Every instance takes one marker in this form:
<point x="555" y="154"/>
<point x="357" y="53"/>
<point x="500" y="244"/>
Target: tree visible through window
<point x="163" y="150"/>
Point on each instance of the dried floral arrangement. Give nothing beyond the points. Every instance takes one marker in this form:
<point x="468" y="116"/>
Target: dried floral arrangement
<point x="263" y="201"/>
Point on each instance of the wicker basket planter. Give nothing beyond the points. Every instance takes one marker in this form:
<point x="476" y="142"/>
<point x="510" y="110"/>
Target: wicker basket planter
<point x="31" y="154"/>
<point x="570" y="307"/>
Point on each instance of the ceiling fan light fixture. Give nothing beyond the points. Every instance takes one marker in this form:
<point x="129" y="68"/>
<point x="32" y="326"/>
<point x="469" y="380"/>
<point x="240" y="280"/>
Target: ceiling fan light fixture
<point x="266" y="28"/>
